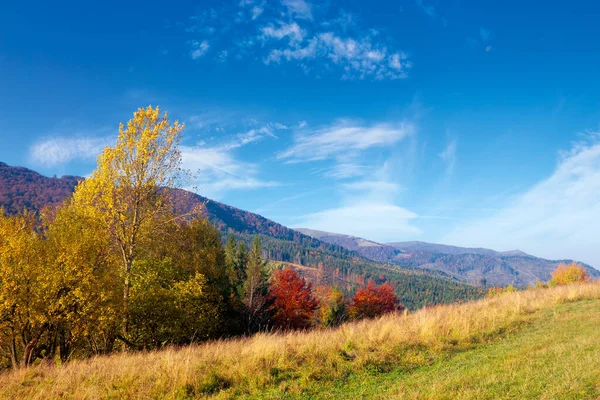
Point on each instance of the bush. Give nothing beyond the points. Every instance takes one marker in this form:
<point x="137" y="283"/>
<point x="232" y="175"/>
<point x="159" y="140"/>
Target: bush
<point x="566" y="274"/>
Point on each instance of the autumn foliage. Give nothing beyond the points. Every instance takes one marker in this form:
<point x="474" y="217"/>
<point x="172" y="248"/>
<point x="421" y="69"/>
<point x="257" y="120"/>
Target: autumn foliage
<point x="116" y="267"/>
<point x="293" y="301"/>
<point x="372" y="301"/>
<point x="565" y="274"/>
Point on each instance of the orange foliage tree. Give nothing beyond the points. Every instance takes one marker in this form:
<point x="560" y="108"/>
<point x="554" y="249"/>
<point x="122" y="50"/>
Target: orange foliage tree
<point x="565" y="274"/>
<point x="293" y="301"/>
<point x="372" y="301"/>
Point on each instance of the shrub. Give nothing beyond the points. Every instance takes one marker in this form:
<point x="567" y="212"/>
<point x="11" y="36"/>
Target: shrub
<point x="566" y="274"/>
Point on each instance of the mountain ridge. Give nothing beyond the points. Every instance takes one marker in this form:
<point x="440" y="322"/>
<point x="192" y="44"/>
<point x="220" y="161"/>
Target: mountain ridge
<point x="479" y="266"/>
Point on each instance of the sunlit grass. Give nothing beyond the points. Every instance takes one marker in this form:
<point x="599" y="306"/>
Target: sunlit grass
<point x="294" y="363"/>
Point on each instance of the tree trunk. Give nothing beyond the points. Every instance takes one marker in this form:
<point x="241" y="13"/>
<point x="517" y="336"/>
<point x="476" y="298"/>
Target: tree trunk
<point x="125" y="328"/>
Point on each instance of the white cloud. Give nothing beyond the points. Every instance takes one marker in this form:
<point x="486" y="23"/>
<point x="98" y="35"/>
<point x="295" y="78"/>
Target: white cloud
<point x="358" y="58"/>
<point x="198" y="49"/>
<point x="287" y="31"/>
<point x="449" y="156"/>
<point x="61" y="150"/>
<point x="367" y="210"/>
<point x="292" y="30"/>
<point x="556" y="218"/>
<point x="217" y="171"/>
<point x="257" y="11"/>
<point x="342" y="137"/>
<point x="298" y="8"/>
<point x="254" y="135"/>
<point x="347" y="170"/>
<point x="375" y="221"/>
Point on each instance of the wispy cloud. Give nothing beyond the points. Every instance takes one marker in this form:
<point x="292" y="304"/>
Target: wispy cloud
<point x="347" y="170"/>
<point x="54" y="151"/>
<point x="292" y="32"/>
<point x="216" y="168"/>
<point x="216" y="171"/>
<point x="282" y="30"/>
<point x="198" y="48"/>
<point x="554" y="218"/>
<point x="448" y="156"/>
<point x="358" y="58"/>
<point x="343" y="137"/>
<point x="368" y="209"/>
<point x="380" y="222"/>
<point x="255" y="135"/>
<point x="298" y="8"/>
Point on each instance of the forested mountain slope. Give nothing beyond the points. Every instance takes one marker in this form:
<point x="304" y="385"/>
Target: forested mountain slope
<point x="21" y="187"/>
<point x="477" y="266"/>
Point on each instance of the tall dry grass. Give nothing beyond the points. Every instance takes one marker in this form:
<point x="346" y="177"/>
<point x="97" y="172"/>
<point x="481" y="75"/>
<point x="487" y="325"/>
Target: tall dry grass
<point x="289" y="362"/>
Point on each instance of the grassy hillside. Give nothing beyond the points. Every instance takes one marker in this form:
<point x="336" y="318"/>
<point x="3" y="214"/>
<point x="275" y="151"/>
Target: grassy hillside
<point x="533" y="344"/>
<point x="553" y="357"/>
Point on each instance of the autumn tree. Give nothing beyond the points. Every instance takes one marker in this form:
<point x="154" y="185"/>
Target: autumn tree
<point x="255" y="287"/>
<point x="86" y="286"/>
<point x="372" y="301"/>
<point x="293" y="301"/>
<point x="332" y="306"/>
<point x="128" y="190"/>
<point x="566" y="274"/>
<point x="54" y="291"/>
<point x="24" y="316"/>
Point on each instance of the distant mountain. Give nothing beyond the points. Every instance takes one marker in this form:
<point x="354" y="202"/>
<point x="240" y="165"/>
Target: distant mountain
<point x="408" y="247"/>
<point x="319" y="260"/>
<point x="367" y="248"/>
<point x="477" y="266"/>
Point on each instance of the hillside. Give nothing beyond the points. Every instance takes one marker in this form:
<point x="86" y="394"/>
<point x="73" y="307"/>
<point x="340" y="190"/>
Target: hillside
<point x="23" y="188"/>
<point x="532" y="344"/>
<point x="473" y="265"/>
<point x="335" y="263"/>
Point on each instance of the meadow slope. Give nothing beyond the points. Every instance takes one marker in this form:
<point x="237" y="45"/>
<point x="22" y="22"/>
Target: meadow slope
<point x="537" y="343"/>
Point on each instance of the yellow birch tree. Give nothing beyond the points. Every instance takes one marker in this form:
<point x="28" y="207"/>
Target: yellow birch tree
<point x="128" y="190"/>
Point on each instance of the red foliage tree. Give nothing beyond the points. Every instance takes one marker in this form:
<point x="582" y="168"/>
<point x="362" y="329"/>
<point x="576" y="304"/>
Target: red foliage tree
<point x="293" y="300"/>
<point x="372" y="301"/>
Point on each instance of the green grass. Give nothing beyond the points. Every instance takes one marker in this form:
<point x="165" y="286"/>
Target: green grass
<point x="556" y="355"/>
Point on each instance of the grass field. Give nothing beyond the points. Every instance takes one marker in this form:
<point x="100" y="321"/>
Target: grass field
<point x="534" y="344"/>
<point x="554" y="357"/>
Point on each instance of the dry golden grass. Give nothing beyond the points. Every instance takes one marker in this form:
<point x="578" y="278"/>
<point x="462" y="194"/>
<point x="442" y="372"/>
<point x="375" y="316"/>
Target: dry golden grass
<point x="289" y="362"/>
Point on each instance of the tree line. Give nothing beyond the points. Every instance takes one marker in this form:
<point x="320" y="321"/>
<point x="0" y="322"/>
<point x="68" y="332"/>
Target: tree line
<point x="116" y="268"/>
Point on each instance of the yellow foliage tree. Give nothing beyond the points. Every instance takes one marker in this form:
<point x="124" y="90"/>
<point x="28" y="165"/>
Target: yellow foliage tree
<point x="128" y="190"/>
<point x="24" y="289"/>
<point x="566" y="274"/>
<point x="55" y="287"/>
<point x="81" y="268"/>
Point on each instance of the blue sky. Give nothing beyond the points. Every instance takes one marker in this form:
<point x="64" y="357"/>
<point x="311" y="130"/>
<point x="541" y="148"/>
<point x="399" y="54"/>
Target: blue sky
<point x="461" y="122"/>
